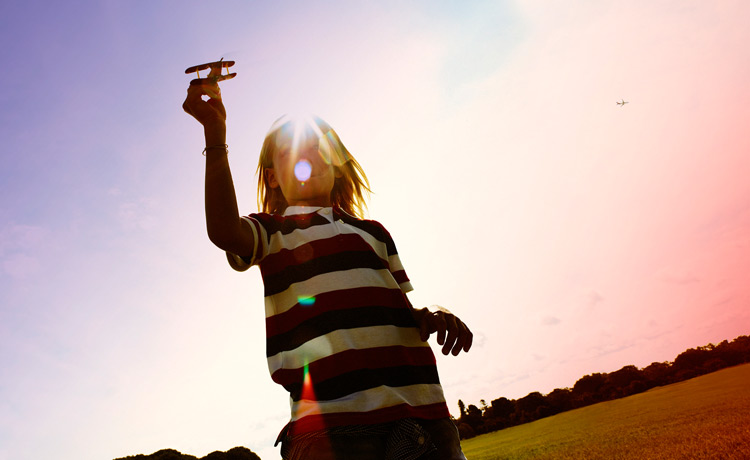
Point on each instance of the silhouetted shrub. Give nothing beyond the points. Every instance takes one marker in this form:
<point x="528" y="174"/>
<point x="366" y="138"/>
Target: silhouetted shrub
<point x="559" y="400"/>
<point x="465" y="431"/>
<point x="241" y="453"/>
<point x="639" y="386"/>
<point x="235" y="453"/>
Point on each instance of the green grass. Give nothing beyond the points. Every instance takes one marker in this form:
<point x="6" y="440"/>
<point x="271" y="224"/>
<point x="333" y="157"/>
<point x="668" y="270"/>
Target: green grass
<point x="707" y="417"/>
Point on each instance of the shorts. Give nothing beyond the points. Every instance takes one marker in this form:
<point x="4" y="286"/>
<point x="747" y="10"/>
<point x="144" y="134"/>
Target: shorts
<point x="407" y="439"/>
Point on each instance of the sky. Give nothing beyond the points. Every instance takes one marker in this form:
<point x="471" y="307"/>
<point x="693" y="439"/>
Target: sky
<point x="571" y="234"/>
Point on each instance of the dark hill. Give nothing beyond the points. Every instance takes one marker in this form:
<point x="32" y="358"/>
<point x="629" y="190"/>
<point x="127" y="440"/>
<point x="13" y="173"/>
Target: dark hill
<point x="236" y="453"/>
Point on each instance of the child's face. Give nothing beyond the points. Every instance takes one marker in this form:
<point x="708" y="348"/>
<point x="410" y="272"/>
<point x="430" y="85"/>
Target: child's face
<point x="304" y="174"/>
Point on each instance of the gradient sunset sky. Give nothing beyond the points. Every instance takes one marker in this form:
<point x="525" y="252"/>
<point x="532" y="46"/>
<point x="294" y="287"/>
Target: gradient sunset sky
<point x="571" y="234"/>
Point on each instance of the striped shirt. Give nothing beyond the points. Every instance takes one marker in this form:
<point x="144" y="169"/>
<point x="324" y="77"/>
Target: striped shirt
<point x="340" y="336"/>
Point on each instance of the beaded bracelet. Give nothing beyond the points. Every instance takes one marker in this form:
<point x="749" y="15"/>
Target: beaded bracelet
<point x="220" y="146"/>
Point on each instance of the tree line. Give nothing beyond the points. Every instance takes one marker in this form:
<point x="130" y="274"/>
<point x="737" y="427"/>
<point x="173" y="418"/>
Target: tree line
<point x="236" y="453"/>
<point x="594" y="388"/>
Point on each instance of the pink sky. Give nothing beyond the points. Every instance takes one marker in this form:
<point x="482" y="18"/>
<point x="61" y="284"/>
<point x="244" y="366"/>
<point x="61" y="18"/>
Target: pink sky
<point x="571" y="234"/>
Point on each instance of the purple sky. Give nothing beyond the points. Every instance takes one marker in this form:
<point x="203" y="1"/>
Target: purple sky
<point x="572" y="235"/>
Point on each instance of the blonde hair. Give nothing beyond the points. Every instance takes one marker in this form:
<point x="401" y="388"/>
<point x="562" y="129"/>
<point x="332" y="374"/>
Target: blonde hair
<point x="349" y="189"/>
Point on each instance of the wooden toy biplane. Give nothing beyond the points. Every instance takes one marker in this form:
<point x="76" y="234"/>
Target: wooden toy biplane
<point x="215" y="75"/>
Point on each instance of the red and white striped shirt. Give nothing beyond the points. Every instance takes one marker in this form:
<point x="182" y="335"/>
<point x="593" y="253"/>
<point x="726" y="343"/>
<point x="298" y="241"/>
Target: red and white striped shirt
<point x="340" y="336"/>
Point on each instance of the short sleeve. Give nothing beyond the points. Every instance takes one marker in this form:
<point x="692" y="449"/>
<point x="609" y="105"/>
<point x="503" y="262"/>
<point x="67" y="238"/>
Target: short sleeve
<point x="395" y="266"/>
<point x="260" y="249"/>
<point x="399" y="274"/>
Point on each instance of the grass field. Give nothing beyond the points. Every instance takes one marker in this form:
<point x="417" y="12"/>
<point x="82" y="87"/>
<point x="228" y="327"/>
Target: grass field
<point x="707" y="417"/>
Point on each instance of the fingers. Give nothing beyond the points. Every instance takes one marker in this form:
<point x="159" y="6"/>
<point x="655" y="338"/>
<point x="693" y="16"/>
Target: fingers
<point x="211" y="87"/>
<point x="452" y="330"/>
<point x="204" y="111"/>
<point x="186" y="108"/>
<point x="208" y="86"/>
<point x="464" y="338"/>
<point x="452" y="333"/>
<point x="469" y="340"/>
<point x="193" y="98"/>
<point x="441" y="326"/>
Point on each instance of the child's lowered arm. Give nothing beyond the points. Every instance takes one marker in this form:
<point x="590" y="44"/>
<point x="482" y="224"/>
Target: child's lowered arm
<point x="453" y="334"/>
<point x="225" y="227"/>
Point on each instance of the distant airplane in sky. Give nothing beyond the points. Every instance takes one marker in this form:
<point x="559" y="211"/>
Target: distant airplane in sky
<point x="622" y="103"/>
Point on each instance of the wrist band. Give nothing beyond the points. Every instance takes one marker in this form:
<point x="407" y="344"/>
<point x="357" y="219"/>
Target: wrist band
<point x="220" y="146"/>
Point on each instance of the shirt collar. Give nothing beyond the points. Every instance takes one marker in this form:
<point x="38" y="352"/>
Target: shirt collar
<point x="295" y="210"/>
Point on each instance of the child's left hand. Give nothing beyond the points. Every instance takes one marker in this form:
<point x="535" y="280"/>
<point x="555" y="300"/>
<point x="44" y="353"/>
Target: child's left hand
<point x="452" y="332"/>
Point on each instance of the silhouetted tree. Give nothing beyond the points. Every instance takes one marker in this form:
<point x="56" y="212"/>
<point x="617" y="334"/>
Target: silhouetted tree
<point x="501" y="409"/>
<point x="236" y="453"/>
<point x="618" y="382"/>
<point x="483" y="406"/>
<point x="725" y="352"/>
<point x="713" y="365"/>
<point x="736" y="352"/>
<point x="656" y="374"/>
<point x="587" y="389"/>
<point x="559" y="400"/>
<point x="690" y="362"/>
<point x="473" y="418"/>
<point x="597" y="387"/>
<point x="531" y="407"/>
<point x="241" y="453"/>
<point x="465" y="431"/>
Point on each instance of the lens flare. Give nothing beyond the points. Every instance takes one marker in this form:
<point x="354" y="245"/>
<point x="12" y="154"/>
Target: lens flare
<point x="309" y="402"/>
<point x="306" y="301"/>
<point x="295" y="128"/>
<point x="306" y="381"/>
<point x="302" y="170"/>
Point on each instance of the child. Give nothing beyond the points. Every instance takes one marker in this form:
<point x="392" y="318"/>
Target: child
<point x="342" y="337"/>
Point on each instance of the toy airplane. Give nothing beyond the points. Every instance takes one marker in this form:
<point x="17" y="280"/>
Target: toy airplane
<point x="214" y="76"/>
<point x="622" y="103"/>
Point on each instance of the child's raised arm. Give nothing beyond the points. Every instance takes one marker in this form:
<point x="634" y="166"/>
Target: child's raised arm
<point x="225" y="227"/>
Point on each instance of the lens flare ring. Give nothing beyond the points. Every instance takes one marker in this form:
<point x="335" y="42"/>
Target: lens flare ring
<point x="303" y="170"/>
